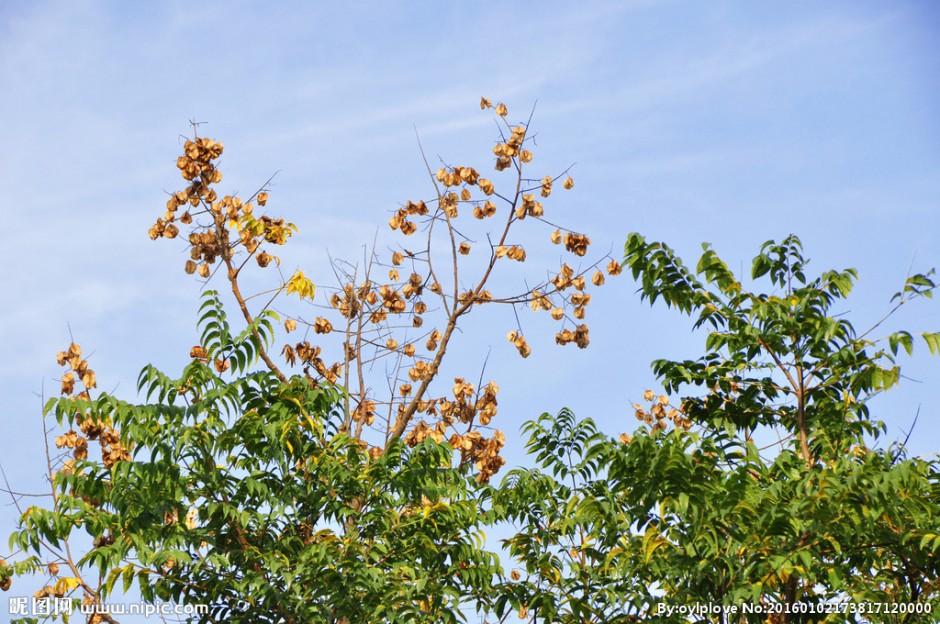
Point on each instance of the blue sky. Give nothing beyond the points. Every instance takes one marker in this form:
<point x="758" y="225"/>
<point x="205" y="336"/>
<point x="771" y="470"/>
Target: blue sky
<point x="728" y="122"/>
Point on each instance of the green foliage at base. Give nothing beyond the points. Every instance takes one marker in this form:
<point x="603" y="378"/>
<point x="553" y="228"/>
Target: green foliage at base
<point x="767" y="483"/>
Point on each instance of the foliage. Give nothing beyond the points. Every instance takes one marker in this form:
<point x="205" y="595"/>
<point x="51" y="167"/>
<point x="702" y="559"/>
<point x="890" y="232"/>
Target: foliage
<point x="245" y="495"/>
<point x="570" y="525"/>
<point x="697" y="514"/>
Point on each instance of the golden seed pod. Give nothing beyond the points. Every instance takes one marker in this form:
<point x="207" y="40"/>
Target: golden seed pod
<point x="580" y="299"/>
<point x="469" y="175"/>
<point x="485" y="103"/>
<point x="614" y="268"/>
<point x="501" y="110"/>
<point x="89" y="380"/>
<point x="203" y="270"/>
<point x="576" y="243"/>
<point x="568" y="183"/>
<point x="68" y="383"/>
<point x="464" y="248"/>
<point x="290" y="325"/>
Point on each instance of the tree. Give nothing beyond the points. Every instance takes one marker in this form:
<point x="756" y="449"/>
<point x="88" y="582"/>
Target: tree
<point x="250" y="500"/>
<point x="277" y="496"/>
<point x="768" y="485"/>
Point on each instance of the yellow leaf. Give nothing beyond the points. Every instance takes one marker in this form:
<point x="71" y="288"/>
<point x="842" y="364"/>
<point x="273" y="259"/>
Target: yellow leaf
<point x="65" y="585"/>
<point x="651" y="541"/>
<point x="254" y="226"/>
<point x="301" y="285"/>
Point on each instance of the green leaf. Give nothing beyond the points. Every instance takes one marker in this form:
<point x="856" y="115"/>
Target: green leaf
<point x="933" y="342"/>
